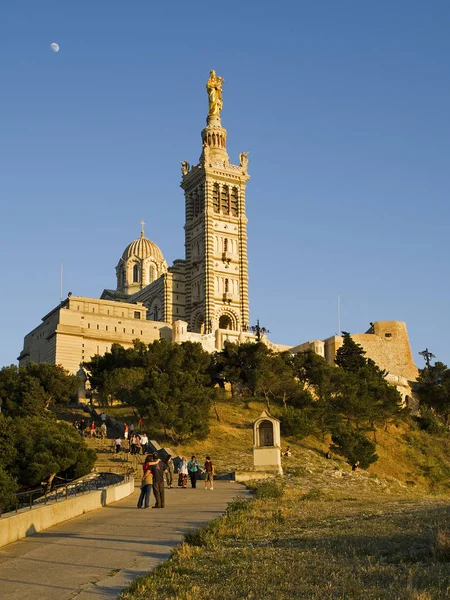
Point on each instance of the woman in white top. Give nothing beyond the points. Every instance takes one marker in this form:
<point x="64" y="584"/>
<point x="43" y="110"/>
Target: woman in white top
<point x="182" y="473"/>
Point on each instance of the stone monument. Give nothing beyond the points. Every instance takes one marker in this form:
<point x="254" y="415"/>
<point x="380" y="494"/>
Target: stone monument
<point x="266" y="444"/>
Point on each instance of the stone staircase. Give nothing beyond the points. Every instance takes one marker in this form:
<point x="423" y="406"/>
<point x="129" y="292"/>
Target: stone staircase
<point x="110" y="462"/>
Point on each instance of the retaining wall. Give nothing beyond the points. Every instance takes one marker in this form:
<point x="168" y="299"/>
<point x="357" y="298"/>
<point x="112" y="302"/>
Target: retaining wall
<point x="15" y="526"/>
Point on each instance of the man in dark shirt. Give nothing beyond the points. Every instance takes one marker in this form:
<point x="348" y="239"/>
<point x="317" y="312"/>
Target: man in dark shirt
<point x="158" y="481"/>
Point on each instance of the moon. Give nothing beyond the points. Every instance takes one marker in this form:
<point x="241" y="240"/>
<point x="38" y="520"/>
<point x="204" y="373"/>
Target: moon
<point x="55" y="47"/>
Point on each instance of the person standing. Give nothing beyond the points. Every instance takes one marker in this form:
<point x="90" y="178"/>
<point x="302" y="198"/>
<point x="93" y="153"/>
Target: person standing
<point x="125" y="431"/>
<point x="182" y="473"/>
<point x="144" y="443"/>
<point x="92" y="429"/>
<point x="193" y="470"/>
<point x="118" y="443"/>
<point x="146" y="488"/>
<point x="157" y="468"/>
<point x="169" y="471"/>
<point x="209" y="473"/>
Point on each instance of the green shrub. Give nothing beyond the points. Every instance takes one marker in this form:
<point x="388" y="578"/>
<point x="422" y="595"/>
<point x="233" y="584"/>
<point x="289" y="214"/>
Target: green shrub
<point x="312" y="495"/>
<point x="429" y="422"/>
<point x="268" y="489"/>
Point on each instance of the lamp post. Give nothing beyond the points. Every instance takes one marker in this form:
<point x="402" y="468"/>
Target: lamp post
<point x="428" y="356"/>
<point x="258" y="330"/>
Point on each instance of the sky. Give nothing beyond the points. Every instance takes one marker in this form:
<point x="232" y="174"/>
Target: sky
<point x="343" y="107"/>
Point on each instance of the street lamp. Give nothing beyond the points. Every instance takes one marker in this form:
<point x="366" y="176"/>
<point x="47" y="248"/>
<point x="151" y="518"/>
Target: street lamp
<point x="258" y="330"/>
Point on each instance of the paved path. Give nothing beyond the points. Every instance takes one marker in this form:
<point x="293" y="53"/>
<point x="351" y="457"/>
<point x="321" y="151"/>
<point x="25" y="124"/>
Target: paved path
<point x="93" y="557"/>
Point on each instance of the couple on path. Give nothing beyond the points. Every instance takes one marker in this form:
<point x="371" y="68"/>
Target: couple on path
<point x="153" y="478"/>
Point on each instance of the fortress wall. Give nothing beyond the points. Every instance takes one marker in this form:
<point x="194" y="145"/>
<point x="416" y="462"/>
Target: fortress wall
<point x="389" y="347"/>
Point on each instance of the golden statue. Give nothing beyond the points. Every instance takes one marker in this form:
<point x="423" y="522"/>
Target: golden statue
<point x="214" y="89"/>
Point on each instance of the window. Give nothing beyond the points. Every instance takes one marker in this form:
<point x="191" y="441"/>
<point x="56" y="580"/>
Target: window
<point x="225" y="245"/>
<point x="151" y="275"/>
<point x="124" y="330"/>
<point x="106" y="327"/>
<point x="132" y="331"/>
<point x="89" y="325"/>
<point x="98" y="326"/>
<point x="137" y="314"/>
<point x="225" y="200"/>
<point x="156" y="313"/>
<point x="235" y="202"/>
<point x="136" y="274"/>
<point x="388" y="335"/>
<point x="141" y="331"/>
<point x="227" y="285"/>
<point x="215" y="198"/>
<point x="115" y="328"/>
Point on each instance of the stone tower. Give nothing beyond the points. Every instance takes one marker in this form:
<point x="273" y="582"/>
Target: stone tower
<point x="216" y="229"/>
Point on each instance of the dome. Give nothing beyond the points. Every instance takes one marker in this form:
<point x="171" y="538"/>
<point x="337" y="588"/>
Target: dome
<point x="143" y="248"/>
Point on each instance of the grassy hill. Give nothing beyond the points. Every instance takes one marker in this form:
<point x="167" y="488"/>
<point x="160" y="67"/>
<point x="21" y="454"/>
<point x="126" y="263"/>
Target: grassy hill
<point x="408" y="458"/>
<point x="323" y="531"/>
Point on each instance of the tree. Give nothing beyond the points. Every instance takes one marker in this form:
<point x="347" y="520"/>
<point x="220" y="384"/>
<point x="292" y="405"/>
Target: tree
<point x="434" y="389"/>
<point x="46" y="448"/>
<point x="59" y="385"/>
<point x="354" y="446"/>
<point x="350" y="356"/>
<point x="30" y="390"/>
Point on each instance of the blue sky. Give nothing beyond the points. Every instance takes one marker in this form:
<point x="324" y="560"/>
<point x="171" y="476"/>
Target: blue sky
<point x="343" y="106"/>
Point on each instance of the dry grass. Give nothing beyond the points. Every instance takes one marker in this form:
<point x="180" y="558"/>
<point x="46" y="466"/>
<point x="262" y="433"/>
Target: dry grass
<point x="314" y="544"/>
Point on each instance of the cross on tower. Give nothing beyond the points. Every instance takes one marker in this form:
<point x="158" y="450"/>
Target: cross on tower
<point x="142" y="228"/>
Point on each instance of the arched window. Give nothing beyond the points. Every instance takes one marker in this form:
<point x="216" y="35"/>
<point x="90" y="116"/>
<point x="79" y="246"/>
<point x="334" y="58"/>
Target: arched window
<point x="235" y="202"/>
<point x="225" y="201"/>
<point x="136" y="273"/>
<point x="215" y="198"/>
<point x="225" y="322"/>
<point x="225" y="245"/>
<point x="151" y="273"/>
<point x="156" y="313"/>
<point x="227" y="285"/>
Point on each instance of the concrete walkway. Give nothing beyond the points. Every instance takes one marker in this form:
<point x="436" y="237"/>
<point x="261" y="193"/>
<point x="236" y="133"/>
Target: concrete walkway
<point x="95" y="556"/>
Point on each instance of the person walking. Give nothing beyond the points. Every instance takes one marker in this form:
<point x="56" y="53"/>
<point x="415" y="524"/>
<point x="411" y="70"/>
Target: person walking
<point x="144" y="443"/>
<point x="182" y="473"/>
<point x="125" y="431"/>
<point x="193" y="470"/>
<point x="209" y="474"/>
<point x="146" y="488"/>
<point x="118" y="443"/>
<point x="157" y="468"/>
<point x="92" y="429"/>
<point x="169" y="471"/>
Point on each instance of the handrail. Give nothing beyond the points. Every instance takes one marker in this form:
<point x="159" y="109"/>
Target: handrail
<point x="62" y="492"/>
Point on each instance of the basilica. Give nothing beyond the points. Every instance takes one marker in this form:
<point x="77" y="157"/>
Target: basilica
<point x="202" y="297"/>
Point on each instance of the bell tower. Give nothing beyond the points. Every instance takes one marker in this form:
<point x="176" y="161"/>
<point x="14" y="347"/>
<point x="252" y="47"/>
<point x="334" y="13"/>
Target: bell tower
<point x="216" y="229"/>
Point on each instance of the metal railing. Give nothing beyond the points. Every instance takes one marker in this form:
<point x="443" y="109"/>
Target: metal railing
<point x="39" y="496"/>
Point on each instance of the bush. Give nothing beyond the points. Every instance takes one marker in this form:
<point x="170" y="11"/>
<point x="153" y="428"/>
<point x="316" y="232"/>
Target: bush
<point x="8" y="489"/>
<point x="429" y="422"/>
<point x="312" y="495"/>
<point x="268" y="489"/>
<point x="354" y="446"/>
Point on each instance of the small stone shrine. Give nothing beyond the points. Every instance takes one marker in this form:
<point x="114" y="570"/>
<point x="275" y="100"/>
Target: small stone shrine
<point x="266" y="444"/>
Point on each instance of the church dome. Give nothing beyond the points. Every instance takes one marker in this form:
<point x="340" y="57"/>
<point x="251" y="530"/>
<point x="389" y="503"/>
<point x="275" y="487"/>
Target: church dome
<point x="143" y="248"/>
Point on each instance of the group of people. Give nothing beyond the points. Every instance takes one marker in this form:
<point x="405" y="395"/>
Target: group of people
<point x="89" y="429"/>
<point x="155" y="471"/>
